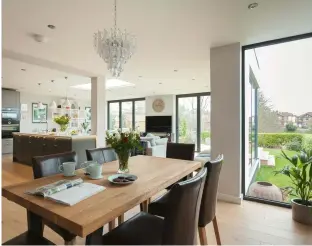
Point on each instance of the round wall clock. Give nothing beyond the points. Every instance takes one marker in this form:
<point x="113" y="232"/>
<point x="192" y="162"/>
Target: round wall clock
<point x="158" y="105"/>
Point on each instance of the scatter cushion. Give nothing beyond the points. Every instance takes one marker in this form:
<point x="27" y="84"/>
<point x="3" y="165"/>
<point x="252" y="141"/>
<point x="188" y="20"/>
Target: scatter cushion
<point x="161" y="141"/>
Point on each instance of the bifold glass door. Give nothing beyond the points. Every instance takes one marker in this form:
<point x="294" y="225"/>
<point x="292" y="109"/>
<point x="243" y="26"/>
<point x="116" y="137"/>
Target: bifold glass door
<point x="193" y="120"/>
<point x="127" y="114"/>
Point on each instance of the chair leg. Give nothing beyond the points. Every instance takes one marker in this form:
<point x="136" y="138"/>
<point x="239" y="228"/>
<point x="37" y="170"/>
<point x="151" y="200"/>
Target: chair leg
<point x="202" y="235"/>
<point x="111" y="225"/>
<point x="71" y="242"/>
<point x="121" y="219"/>
<point x="216" y="230"/>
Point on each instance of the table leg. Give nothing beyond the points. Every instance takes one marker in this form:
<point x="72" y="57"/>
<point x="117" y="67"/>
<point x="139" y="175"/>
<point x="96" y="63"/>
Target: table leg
<point x="34" y="222"/>
<point x="145" y="206"/>
<point x="121" y="219"/>
<point x="111" y="225"/>
<point x="95" y="238"/>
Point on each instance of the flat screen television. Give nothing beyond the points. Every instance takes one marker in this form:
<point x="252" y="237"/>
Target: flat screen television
<point x="159" y="124"/>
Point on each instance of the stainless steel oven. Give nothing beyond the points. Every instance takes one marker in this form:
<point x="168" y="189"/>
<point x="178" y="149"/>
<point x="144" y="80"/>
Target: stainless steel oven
<point x="10" y="116"/>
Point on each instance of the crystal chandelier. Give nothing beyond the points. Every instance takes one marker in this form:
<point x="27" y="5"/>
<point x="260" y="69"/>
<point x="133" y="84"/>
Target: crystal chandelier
<point x="114" y="46"/>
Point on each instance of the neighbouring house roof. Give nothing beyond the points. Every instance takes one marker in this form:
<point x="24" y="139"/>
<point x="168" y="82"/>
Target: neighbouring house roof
<point x="306" y="114"/>
<point x="285" y="114"/>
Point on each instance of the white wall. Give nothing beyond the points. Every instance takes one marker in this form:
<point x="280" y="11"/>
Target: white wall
<point x="169" y="110"/>
<point x="226" y="117"/>
<point x="26" y="125"/>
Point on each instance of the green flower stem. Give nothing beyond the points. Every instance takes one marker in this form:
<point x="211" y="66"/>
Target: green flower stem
<point x="123" y="157"/>
<point x="63" y="127"/>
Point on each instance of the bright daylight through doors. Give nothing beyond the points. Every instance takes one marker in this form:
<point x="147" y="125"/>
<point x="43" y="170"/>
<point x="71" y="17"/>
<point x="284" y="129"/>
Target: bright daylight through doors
<point x="278" y="107"/>
<point x="156" y="122"/>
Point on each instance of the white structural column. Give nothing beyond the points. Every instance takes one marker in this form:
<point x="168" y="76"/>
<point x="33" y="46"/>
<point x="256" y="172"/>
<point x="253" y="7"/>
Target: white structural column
<point x="225" y="79"/>
<point x="98" y="109"/>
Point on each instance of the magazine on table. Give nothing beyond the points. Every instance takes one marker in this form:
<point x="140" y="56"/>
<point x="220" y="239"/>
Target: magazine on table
<point x="53" y="188"/>
<point x="68" y="192"/>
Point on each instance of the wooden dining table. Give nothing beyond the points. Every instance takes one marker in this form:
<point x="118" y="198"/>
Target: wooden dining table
<point x="90" y="215"/>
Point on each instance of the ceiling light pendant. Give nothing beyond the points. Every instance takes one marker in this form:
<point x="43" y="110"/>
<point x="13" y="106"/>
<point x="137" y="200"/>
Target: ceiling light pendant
<point x="53" y="105"/>
<point x="40" y="104"/>
<point x="114" y="46"/>
<point x="67" y="103"/>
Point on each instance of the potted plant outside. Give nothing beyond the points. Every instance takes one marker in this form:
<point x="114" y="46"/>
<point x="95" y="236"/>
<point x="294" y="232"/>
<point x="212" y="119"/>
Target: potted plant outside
<point x="123" y="143"/>
<point x="299" y="171"/>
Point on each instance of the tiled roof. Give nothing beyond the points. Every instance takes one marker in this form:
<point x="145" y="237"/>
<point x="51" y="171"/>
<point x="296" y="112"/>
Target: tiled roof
<point x="285" y="114"/>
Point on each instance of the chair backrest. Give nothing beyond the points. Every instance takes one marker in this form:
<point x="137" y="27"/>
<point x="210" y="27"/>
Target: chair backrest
<point x="101" y="155"/>
<point x="180" y="225"/>
<point x="209" y="200"/>
<point x="180" y="151"/>
<point x="48" y="165"/>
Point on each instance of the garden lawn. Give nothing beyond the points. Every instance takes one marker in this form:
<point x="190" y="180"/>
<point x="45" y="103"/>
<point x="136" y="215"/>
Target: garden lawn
<point x="266" y="173"/>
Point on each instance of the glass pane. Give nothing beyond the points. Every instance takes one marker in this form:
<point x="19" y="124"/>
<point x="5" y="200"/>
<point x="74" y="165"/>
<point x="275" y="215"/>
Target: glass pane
<point x="126" y="116"/>
<point x="277" y="103"/>
<point x="113" y="116"/>
<point x="187" y="120"/>
<point x="205" y="122"/>
<point x="140" y="116"/>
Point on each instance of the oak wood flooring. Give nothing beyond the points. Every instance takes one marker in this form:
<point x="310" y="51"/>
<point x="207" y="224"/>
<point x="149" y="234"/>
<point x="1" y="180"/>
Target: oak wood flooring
<point x="249" y="223"/>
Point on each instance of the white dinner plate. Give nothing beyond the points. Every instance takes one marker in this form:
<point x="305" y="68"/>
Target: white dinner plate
<point x="115" y="176"/>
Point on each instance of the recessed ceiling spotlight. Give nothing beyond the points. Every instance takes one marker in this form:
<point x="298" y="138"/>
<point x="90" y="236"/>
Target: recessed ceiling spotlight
<point x="253" y="5"/>
<point x="51" y="26"/>
<point x="52" y="81"/>
<point x="140" y="76"/>
<point x="160" y="83"/>
<point x="193" y="78"/>
<point x="23" y="69"/>
<point x="175" y="70"/>
<point x="39" y="38"/>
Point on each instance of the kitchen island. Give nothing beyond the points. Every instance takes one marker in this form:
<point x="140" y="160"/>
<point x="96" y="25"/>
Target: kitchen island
<point x="26" y="146"/>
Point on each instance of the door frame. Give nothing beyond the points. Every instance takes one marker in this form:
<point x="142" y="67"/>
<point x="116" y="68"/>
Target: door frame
<point x="198" y="114"/>
<point x="243" y="134"/>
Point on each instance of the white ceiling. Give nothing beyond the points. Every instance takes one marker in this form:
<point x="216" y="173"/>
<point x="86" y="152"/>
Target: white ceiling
<point x="175" y="34"/>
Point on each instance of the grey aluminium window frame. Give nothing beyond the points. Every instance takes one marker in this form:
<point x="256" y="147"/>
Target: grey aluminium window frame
<point x="198" y="115"/>
<point x="243" y="133"/>
<point x="120" y="110"/>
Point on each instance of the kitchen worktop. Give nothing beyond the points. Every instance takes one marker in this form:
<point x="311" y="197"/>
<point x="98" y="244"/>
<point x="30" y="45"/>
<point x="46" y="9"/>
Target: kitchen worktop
<point x="28" y="145"/>
<point x="53" y="135"/>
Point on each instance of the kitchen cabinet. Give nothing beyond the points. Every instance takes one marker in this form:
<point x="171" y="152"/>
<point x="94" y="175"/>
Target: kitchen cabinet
<point x="7" y="146"/>
<point x="10" y="99"/>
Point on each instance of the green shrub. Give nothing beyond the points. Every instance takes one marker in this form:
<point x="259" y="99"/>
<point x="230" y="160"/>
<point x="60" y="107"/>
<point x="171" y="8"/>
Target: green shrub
<point x="290" y="127"/>
<point x="294" y="145"/>
<point x="277" y="140"/>
<point x="204" y="135"/>
<point x="307" y="142"/>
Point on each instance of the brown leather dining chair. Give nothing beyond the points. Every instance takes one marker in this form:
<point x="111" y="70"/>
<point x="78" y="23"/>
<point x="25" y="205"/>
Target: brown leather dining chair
<point x="48" y="165"/>
<point x="101" y="155"/>
<point x="208" y="204"/>
<point x="180" y="151"/>
<point x="177" y="228"/>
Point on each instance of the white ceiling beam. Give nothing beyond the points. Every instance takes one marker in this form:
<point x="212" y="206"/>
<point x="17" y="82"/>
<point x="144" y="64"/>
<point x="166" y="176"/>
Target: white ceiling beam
<point x="46" y="63"/>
